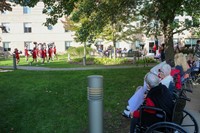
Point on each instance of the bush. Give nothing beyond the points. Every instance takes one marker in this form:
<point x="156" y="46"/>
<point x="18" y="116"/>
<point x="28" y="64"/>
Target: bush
<point x="147" y="60"/>
<point x="108" y="61"/>
<point x="101" y="61"/>
<point x="79" y="51"/>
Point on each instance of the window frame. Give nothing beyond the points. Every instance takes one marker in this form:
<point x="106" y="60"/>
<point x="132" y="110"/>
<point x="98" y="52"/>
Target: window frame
<point x="6" y="46"/>
<point x="26" y="10"/>
<point x="27" y="29"/>
<point x="6" y="24"/>
<point x="67" y="44"/>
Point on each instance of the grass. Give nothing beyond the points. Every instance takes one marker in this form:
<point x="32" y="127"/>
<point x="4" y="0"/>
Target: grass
<point x="56" y="101"/>
<point x="64" y="63"/>
<point x="61" y="63"/>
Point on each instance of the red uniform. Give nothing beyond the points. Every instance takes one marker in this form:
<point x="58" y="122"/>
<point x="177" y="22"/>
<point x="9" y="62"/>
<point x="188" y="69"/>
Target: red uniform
<point x="54" y="50"/>
<point x="26" y="52"/>
<point x="17" y="54"/>
<point x="44" y="53"/>
<point x="50" y="51"/>
<point x="34" y="54"/>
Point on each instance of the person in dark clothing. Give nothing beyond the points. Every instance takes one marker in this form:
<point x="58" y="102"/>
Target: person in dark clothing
<point x="162" y="52"/>
<point x="158" y="96"/>
<point x="197" y="49"/>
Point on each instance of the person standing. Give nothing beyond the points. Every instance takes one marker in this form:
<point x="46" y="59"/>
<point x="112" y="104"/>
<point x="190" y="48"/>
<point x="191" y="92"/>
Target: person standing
<point x="197" y="49"/>
<point x="55" y="52"/>
<point x="162" y="52"/>
<point x="16" y="52"/>
<point x="26" y="53"/>
<point x="34" y="55"/>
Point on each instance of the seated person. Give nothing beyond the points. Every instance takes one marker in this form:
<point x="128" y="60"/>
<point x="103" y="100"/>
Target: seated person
<point x="158" y="96"/>
<point x="137" y="99"/>
<point x="195" y="68"/>
<point x="175" y="73"/>
<point x="164" y="75"/>
<point x="182" y="65"/>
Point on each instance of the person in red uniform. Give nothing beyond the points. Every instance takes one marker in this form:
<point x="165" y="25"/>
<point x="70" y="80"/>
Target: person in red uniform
<point x="34" y="55"/>
<point x="16" y="52"/>
<point x="26" y="53"/>
<point x="50" y="52"/>
<point x="43" y="54"/>
<point x="158" y="96"/>
<point x="54" y="50"/>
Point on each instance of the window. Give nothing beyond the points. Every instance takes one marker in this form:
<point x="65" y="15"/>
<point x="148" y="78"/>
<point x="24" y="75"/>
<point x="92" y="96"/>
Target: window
<point x="26" y="10"/>
<point x="27" y="28"/>
<point x="27" y="45"/>
<point x="50" y="27"/>
<point x="5" y="27"/>
<point x="67" y="44"/>
<point x="6" y="46"/>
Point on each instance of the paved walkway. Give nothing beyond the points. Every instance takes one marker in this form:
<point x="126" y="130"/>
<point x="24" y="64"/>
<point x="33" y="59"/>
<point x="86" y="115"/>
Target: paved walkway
<point x="37" y="68"/>
<point x="193" y="106"/>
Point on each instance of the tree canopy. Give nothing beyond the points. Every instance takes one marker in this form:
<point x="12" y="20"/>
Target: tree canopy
<point x="157" y="17"/>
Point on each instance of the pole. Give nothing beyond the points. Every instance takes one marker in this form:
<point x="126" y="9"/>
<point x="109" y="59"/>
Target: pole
<point x="14" y="62"/>
<point x="95" y="99"/>
<point x="84" y="57"/>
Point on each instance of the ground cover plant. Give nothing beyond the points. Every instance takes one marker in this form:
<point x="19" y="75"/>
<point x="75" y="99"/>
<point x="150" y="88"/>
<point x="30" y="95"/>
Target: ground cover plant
<point x="56" y="101"/>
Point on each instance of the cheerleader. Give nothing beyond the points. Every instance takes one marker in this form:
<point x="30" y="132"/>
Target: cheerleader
<point x="16" y="52"/>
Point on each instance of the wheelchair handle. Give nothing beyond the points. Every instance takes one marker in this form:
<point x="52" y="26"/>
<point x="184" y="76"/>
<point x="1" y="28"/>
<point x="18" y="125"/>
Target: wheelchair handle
<point x="185" y="98"/>
<point x="188" y="90"/>
<point x="152" y="108"/>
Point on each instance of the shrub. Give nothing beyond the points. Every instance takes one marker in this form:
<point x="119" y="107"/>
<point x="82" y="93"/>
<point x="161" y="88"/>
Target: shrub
<point x="79" y="51"/>
<point x="108" y="61"/>
<point x="101" y="61"/>
<point x="147" y="60"/>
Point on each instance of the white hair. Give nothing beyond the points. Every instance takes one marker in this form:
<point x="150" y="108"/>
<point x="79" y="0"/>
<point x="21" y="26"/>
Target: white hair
<point x="152" y="79"/>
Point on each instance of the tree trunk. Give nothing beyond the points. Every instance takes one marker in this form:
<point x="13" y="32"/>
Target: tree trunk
<point x="169" y="47"/>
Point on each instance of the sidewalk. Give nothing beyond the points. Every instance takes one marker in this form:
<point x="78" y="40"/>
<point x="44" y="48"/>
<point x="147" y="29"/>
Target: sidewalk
<point x="37" y="68"/>
<point x="193" y="106"/>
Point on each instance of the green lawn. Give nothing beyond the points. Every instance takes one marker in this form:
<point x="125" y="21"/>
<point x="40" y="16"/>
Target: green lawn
<point x="61" y="62"/>
<point x="56" y="101"/>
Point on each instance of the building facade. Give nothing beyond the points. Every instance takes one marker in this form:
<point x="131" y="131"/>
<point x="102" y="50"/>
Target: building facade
<point x="24" y="25"/>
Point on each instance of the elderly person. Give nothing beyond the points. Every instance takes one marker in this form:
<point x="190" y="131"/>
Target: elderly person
<point x="158" y="96"/>
<point x="164" y="74"/>
<point x="161" y="70"/>
<point x="182" y="65"/>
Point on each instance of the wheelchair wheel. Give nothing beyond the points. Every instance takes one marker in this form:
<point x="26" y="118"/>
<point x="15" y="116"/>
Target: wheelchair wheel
<point x="188" y="84"/>
<point x="165" y="127"/>
<point x="197" y="81"/>
<point x="189" y="123"/>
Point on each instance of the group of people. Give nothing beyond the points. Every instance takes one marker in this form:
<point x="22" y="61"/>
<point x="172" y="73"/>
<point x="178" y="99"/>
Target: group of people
<point x="159" y="85"/>
<point x="43" y="51"/>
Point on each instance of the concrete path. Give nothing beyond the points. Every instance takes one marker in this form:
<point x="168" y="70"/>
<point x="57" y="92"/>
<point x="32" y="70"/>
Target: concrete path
<point x="37" y="68"/>
<point x="193" y="106"/>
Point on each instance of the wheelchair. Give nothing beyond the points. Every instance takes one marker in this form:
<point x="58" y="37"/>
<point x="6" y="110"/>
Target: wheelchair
<point x="159" y="123"/>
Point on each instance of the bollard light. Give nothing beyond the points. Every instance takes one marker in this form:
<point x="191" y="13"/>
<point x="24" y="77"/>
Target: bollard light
<point x="95" y="103"/>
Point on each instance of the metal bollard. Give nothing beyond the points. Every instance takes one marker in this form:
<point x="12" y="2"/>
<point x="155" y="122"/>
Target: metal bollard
<point x="14" y="62"/>
<point x="95" y="99"/>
